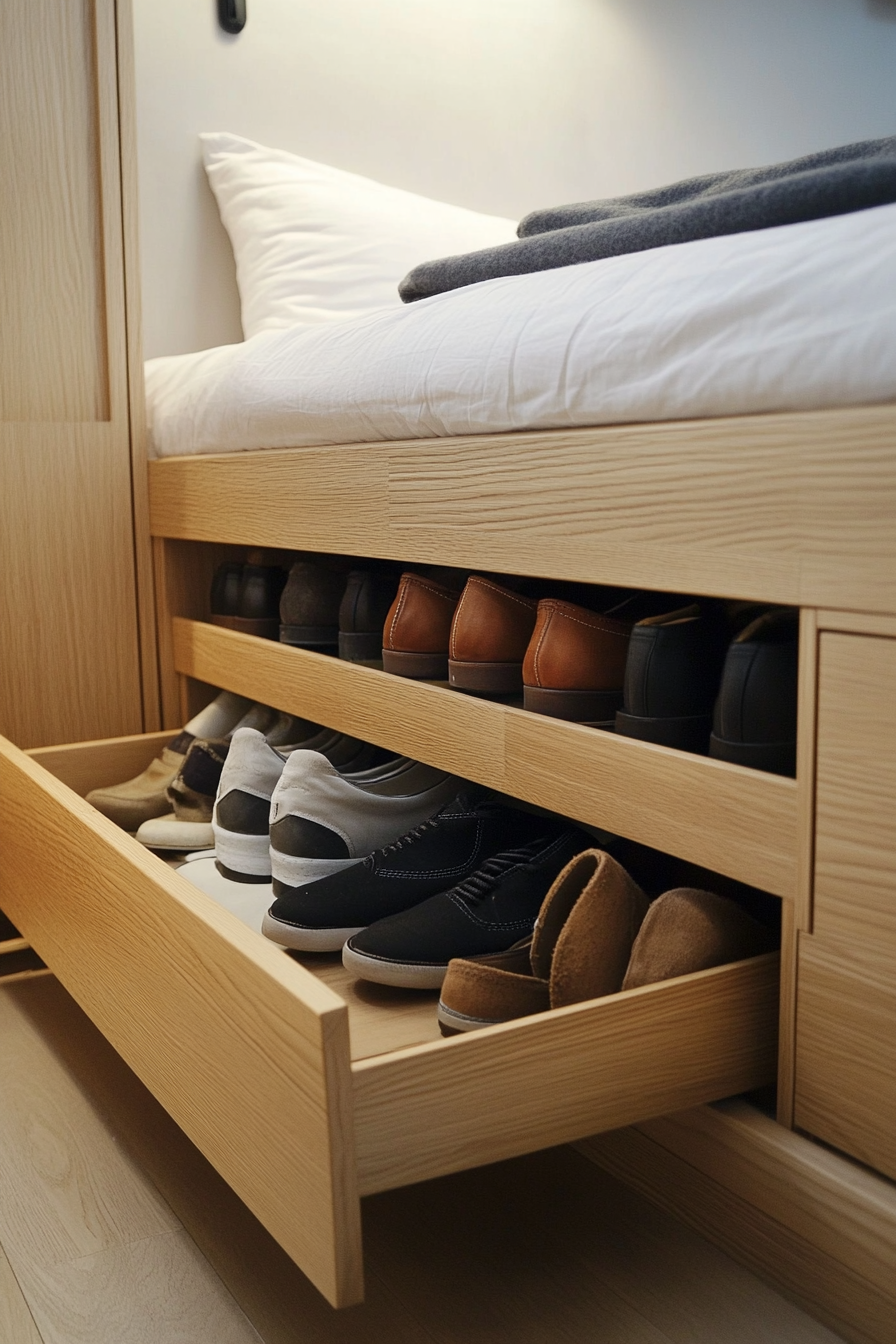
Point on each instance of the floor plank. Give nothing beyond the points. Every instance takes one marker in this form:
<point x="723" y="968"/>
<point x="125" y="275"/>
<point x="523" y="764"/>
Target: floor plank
<point x="16" y="1322"/>
<point x="157" y="1291"/>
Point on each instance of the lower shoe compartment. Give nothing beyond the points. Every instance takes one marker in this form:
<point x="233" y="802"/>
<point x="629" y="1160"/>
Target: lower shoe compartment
<point x="306" y="1089"/>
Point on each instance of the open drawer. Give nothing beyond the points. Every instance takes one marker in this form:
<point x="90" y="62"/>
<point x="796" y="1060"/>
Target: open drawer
<point x="307" y="1092"/>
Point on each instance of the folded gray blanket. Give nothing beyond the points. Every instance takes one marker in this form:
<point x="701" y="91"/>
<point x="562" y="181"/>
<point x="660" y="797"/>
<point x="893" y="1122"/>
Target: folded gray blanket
<point x="833" y="182"/>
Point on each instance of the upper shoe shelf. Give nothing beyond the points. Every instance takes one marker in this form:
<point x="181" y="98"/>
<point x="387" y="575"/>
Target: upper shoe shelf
<point x="739" y="822"/>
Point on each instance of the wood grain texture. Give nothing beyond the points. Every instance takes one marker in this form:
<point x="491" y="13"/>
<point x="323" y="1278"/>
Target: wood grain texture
<point x="127" y="136"/>
<point x="259" y="1080"/>
<point x="69" y="657"/>
<point x="855" y="855"/>
<point x="845" y="1051"/>
<point x="93" y="765"/>
<point x="718" y="1188"/>
<point x="706" y="811"/>
<point x="561" y="1075"/>
<point x="16" y="1322"/>
<point x="857" y="623"/>
<point x="380" y="1019"/>
<point x="824" y="1198"/>
<point x="795" y="508"/>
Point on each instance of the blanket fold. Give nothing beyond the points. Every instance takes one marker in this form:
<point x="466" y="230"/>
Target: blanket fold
<point x="833" y="182"/>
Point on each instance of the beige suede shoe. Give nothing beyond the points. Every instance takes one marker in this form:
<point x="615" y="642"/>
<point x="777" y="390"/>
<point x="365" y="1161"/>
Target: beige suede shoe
<point x="687" y="930"/>
<point x="580" y="950"/>
<point x="142" y="799"/>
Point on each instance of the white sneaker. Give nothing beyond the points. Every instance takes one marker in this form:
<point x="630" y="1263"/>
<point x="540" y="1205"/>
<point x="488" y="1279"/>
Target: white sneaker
<point x="192" y="792"/>
<point x="322" y="821"/>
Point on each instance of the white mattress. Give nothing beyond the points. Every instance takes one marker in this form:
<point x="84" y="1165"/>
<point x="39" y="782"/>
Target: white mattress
<point x="792" y="318"/>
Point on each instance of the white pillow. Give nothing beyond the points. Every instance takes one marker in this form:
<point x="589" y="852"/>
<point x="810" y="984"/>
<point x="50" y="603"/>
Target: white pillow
<point x="314" y="244"/>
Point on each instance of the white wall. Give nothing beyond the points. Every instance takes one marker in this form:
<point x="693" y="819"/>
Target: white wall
<point x="500" y="105"/>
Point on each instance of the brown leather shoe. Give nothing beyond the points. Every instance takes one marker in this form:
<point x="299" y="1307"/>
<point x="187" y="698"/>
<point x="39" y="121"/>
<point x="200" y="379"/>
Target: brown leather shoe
<point x="418" y="627"/>
<point x="580" y="950"/>
<point x="575" y="663"/>
<point x="490" y="633"/>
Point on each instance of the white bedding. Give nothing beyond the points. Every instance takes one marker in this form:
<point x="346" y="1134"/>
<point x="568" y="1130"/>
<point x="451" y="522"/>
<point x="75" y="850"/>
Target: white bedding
<point x="792" y="318"/>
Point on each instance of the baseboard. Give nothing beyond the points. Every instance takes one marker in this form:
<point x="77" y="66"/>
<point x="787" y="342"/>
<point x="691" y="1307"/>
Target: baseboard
<point x="818" y="1226"/>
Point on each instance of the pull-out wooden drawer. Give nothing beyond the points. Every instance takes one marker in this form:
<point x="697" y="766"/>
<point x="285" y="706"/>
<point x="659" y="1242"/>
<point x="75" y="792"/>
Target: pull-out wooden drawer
<point x="306" y="1098"/>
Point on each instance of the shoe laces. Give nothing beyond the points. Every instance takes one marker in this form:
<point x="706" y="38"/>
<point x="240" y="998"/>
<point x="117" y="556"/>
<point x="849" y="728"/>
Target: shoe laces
<point x="410" y="837"/>
<point x="481" y="883"/>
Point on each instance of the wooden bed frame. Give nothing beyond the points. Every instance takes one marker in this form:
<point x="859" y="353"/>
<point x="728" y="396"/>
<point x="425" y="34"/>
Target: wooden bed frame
<point x="307" y="1092"/>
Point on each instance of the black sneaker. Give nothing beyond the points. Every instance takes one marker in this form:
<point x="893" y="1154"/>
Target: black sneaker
<point x="436" y="855"/>
<point x="488" y="912"/>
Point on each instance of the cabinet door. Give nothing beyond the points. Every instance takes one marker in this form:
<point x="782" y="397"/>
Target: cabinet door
<point x="69" y="657"/>
<point x="846" y="998"/>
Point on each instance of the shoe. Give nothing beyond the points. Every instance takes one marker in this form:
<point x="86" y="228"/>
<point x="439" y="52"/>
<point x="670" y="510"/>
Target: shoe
<point x="247" y="597"/>
<point x="575" y="663"/>
<point x="145" y="797"/>
<point x="686" y="930"/>
<point x="251" y="772"/>
<point x="598" y="937"/>
<point x="192" y="791"/>
<point x="418" y="627"/>
<point x="369" y="593"/>
<point x="430" y="858"/>
<point x="754" y="722"/>
<point x="672" y="674"/>
<point x="489" y="636"/>
<point x="322" y="821"/>
<point x="488" y="912"/>
<point x="309" y="606"/>
<point x="580" y="950"/>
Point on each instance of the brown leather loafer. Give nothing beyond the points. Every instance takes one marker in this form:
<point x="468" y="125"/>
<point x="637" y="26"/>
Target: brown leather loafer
<point x="490" y="633"/>
<point x="580" y="950"/>
<point x="418" y="628"/>
<point x="574" y="666"/>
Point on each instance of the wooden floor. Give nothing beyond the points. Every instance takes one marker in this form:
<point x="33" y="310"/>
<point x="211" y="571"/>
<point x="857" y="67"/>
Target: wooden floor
<point x="104" y="1206"/>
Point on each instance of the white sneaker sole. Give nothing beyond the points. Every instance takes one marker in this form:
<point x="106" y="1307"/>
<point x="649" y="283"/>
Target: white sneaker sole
<point x="243" y="853"/>
<point x="306" y="940"/>
<point x="294" y="871"/>
<point x="403" y="975"/>
<point x="249" y="901"/>
<point x="178" y="836"/>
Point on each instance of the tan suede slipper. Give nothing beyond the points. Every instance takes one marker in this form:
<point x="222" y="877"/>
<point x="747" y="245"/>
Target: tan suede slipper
<point x="580" y="950"/>
<point x="686" y="930"/>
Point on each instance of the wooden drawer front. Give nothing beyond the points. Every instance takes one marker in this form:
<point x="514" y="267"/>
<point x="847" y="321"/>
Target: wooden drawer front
<point x="252" y="1053"/>
<point x="855" y="857"/>
<point x="245" y="1049"/>
<point x="846" y="1052"/>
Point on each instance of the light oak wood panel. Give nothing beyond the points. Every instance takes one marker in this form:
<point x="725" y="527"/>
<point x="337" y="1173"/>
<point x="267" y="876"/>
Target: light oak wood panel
<point x="69" y="654"/>
<point x="380" y="1019"/>
<point x="16" y="1322"/>
<point x="846" y="1050"/>
<point x="735" y="821"/>
<point x="727" y="1207"/>
<point x="822" y="1197"/>
<point x="53" y="305"/>
<point x="799" y="916"/>
<point x="431" y="1109"/>
<point x="69" y="663"/>
<point x="795" y="508"/>
<point x="136" y="391"/>
<point x="9" y="945"/>
<point x="855" y="859"/>
<point x="857" y="623"/>
<point x="259" y="1079"/>
<point x="706" y="811"/>
<point x="93" y="765"/>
